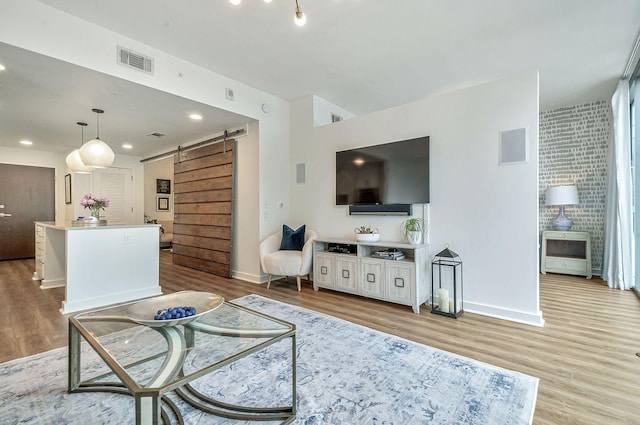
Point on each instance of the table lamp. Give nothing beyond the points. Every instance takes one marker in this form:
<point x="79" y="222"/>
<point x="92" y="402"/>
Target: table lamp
<point x="562" y="195"/>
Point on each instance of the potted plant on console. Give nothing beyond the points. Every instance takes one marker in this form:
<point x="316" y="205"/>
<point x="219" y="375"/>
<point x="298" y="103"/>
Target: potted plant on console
<point x="367" y="234"/>
<point x="413" y="230"/>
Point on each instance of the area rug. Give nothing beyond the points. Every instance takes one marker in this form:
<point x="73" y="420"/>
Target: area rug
<point x="346" y="374"/>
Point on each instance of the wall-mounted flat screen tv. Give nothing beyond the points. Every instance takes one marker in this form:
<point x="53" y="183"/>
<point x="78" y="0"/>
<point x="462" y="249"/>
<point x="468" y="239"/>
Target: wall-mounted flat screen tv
<point x="391" y="173"/>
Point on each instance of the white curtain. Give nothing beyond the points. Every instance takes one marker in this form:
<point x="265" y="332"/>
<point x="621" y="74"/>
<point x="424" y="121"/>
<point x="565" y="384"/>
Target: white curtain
<point x="618" y="266"/>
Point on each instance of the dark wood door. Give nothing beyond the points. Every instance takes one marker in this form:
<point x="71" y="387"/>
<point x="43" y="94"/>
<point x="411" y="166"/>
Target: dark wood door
<point x="204" y="208"/>
<point x="28" y="195"/>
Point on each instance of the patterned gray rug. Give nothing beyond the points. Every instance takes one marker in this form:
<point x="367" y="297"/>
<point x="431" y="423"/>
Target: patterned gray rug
<point x="347" y="374"/>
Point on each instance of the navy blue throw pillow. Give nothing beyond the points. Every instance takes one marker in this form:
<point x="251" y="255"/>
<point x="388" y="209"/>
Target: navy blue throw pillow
<point x="292" y="240"/>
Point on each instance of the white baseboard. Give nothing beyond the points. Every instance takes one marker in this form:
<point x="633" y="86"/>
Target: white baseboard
<point x="502" y="313"/>
<point x="471" y="307"/>
<point x="109" y="299"/>
<point x="53" y="283"/>
<point x="249" y="277"/>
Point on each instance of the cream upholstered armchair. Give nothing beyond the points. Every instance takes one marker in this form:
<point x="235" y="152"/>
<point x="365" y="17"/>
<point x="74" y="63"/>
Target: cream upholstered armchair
<point x="288" y="261"/>
<point x="166" y="234"/>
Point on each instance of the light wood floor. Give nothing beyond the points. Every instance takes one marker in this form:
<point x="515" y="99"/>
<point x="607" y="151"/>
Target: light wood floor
<point x="585" y="355"/>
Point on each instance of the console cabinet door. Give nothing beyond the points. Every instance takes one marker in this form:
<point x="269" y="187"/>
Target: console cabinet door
<point x="372" y="279"/>
<point x="346" y="274"/>
<point x="323" y="274"/>
<point x="400" y="282"/>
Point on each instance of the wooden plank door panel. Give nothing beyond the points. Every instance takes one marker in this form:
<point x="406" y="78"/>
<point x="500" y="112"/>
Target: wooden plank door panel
<point x="203" y="208"/>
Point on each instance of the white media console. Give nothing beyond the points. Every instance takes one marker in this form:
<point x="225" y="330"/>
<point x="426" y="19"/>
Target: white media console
<point x="349" y="266"/>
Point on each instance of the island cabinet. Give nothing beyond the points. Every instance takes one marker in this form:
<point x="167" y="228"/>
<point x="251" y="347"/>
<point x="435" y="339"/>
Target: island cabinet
<point x="99" y="265"/>
<point x="388" y="271"/>
<point x="39" y="254"/>
<point x="49" y="260"/>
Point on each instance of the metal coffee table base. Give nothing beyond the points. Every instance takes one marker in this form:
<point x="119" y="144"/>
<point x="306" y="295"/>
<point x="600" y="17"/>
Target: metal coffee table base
<point x="191" y="396"/>
<point x="150" y="400"/>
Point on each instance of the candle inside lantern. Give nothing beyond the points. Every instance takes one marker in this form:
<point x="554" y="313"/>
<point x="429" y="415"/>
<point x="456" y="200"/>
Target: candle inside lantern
<point x="444" y="300"/>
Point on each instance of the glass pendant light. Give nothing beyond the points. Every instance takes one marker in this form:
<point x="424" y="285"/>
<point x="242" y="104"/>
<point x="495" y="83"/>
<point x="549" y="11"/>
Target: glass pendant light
<point x="96" y="153"/>
<point x="74" y="162"/>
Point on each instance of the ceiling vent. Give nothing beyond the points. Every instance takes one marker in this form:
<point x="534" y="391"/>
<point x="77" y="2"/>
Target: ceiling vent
<point x="135" y="60"/>
<point x="156" y="134"/>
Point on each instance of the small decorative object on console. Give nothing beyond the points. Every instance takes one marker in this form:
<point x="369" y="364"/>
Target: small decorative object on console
<point x="389" y="254"/>
<point x="341" y="248"/>
<point x="413" y="229"/>
<point x="367" y="234"/>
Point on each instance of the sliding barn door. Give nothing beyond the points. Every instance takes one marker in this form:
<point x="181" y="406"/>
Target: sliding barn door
<point x="203" y="196"/>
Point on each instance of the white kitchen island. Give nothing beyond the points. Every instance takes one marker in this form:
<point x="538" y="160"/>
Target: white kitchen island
<point x="98" y="265"/>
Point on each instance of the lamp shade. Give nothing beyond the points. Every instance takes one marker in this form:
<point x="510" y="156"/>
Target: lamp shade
<point x="97" y="154"/>
<point x="76" y="165"/>
<point x="562" y="195"/>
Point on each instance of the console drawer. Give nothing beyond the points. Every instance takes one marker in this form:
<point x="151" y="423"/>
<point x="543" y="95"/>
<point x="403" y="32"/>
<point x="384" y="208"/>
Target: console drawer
<point x="566" y="265"/>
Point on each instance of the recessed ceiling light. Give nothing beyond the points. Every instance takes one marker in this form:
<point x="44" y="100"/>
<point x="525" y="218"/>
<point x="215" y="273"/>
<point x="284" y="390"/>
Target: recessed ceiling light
<point x="127" y="146"/>
<point x="2" y="68"/>
<point x="26" y="142"/>
<point x="195" y="117"/>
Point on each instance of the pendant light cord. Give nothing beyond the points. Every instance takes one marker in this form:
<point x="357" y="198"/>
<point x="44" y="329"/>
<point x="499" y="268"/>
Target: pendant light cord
<point x="82" y="126"/>
<point x="98" y="112"/>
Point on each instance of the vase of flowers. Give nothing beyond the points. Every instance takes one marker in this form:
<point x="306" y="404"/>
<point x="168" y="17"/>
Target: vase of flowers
<point x="94" y="204"/>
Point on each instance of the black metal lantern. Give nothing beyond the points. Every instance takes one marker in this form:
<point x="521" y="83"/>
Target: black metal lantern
<point x="446" y="284"/>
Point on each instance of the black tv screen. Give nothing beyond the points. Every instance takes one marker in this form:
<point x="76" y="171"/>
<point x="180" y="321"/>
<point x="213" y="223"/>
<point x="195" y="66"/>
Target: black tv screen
<point x="391" y="173"/>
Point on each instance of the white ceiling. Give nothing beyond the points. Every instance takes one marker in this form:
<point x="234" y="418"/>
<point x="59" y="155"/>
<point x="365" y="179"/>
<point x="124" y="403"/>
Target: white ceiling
<point x="363" y="55"/>
<point x="42" y="99"/>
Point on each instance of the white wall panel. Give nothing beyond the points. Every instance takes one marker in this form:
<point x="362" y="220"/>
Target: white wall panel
<point x="486" y="213"/>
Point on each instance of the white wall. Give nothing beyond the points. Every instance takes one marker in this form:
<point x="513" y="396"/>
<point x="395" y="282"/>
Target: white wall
<point x="247" y="222"/>
<point x="488" y="214"/>
<point x="322" y="110"/>
<point x="57" y="36"/>
<point x="153" y="170"/>
<point x="81" y="184"/>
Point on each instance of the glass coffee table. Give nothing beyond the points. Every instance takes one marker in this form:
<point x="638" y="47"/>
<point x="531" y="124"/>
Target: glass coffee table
<point x="151" y="358"/>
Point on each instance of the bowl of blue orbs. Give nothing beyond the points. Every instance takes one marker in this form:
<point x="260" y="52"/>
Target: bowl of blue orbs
<point x="174" y="309"/>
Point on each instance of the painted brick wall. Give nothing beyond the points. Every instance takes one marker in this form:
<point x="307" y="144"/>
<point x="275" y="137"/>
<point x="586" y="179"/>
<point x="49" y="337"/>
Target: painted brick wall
<point x="573" y="150"/>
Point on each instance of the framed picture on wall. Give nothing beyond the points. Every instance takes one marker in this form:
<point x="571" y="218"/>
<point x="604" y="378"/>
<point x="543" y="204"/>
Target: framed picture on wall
<point x="163" y="186"/>
<point x="163" y="203"/>
<point x="67" y="189"/>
